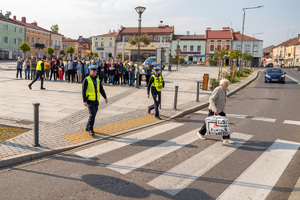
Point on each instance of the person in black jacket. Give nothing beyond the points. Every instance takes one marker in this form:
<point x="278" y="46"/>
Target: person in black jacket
<point x="148" y="72"/>
<point x="40" y="71"/>
<point x="91" y="90"/>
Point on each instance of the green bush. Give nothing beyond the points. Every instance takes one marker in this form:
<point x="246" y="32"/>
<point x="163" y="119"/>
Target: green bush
<point x="247" y="71"/>
<point x="216" y="83"/>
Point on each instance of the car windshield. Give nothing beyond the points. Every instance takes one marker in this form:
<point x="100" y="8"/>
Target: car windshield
<point x="274" y="71"/>
<point x="150" y="60"/>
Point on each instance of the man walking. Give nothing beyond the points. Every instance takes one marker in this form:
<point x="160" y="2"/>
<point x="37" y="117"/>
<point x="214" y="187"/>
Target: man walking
<point x="91" y="90"/>
<point x="156" y="83"/>
<point x="39" y="73"/>
<point x="217" y="102"/>
<point x="32" y="67"/>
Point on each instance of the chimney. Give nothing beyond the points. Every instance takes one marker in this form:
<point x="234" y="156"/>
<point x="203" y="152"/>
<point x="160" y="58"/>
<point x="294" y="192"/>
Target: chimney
<point x="109" y="31"/>
<point x="188" y="32"/>
<point x="24" y="19"/>
<point x="114" y="30"/>
<point x="34" y="23"/>
<point x="208" y="28"/>
<point x="226" y="28"/>
<point x="298" y="37"/>
<point x="14" y="17"/>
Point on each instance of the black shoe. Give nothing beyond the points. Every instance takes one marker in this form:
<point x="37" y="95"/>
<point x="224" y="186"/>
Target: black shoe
<point x="158" y="117"/>
<point x="43" y="88"/>
<point x="87" y="129"/>
<point x="149" y="110"/>
<point x="92" y="133"/>
<point x="29" y="86"/>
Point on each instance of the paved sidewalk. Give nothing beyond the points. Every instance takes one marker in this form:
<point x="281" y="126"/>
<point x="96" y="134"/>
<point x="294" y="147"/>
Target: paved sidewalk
<point x="63" y="116"/>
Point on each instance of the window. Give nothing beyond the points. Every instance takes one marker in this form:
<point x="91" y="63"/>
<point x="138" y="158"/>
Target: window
<point x="39" y="40"/>
<point x="238" y="47"/>
<point x="55" y="42"/>
<point x="102" y="44"/>
<point x="110" y="44"/>
<point x="15" y="29"/>
<point x="247" y="48"/>
<point x="64" y="46"/>
<point x="110" y="38"/>
<point x="28" y="39"/>
<point x="219" y="47"/>
<point x="102" y="55"/>
<point x="227" y="46"/>
<point x="198" y="48"/>
<point x="51" y="42"/>
<point x="43" y="41"/>
<point x="191" y="48"/>
<point x="6" y="27"/>
<point x="59" y="43"/>
<point x="46" y="42"/>
<point x="184" y="48"/>
<point x="96" y="38"/>
<point x="32" y="40"/>
<point x="96" y="44"/>
<point x="6" y="40"/>
<point x="15" y="41"/>
<point x="255" y="48"/>
<point x="21" y="30"/>
<point x="212" y="47"/>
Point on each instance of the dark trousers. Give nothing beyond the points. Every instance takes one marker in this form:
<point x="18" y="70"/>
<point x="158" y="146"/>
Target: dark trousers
<point x="51" y="73"/>
<point x="93" y="108"/>
<point x="202" y="131"/>
<point x="32" y="73"/>
<point x="101" y="76"/>
<point x="19" y="71"/>
<point x="70" y="75"/>
<point x="147" y="79"/>
<point x="55" y="74"/>
<point x="126" y="77"/>
<point x="38" y="75"/>
<point x="156" y="98"/>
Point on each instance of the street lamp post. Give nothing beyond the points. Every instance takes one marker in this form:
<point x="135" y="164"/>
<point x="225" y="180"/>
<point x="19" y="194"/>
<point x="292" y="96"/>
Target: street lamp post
<point x="243" y="33"/>
<point x="178" y="52"/>
<point x="123" y="56"/>
<point x="140" y="11"/>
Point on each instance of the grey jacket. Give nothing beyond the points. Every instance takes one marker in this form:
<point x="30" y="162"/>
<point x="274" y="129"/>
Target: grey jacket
<point x="217" y="100"/>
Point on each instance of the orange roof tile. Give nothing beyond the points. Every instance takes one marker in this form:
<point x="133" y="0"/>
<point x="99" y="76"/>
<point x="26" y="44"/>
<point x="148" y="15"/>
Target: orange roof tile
<point x="108" y="34"/>
<point x="149" y="30"/>
<point x="219" y="34"/>
<point x="238" y="36"/>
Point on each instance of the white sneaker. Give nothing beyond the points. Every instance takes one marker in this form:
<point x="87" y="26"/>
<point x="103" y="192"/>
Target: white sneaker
<point x="228" y="141"/>
<point x="200" y="136"/>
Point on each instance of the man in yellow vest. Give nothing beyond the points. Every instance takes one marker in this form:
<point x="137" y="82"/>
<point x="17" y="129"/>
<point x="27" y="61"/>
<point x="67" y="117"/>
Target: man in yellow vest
<point x="39" y="73"/>
<point x="91" y="90"/>
<point x="156" y="83"/>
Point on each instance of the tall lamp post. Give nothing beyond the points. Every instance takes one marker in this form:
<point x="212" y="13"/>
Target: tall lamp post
<point x="178" y="52"/>
<point x="140" y="11"/>
<point x="243" y="32"/>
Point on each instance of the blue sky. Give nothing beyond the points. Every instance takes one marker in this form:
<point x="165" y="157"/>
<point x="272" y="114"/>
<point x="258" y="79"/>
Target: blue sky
<point x="278" y="20"/>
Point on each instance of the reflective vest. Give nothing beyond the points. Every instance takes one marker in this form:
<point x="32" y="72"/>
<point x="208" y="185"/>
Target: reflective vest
<point x="39" y="66"/>
<point x="158" y="81"/>
<point x="90" y="91"/>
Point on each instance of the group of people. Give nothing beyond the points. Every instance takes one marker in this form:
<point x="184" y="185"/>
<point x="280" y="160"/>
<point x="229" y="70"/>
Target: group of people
<point x="75" y="70"/>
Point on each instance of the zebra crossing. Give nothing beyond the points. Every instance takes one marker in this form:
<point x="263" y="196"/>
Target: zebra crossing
<point x="256" y="182"/>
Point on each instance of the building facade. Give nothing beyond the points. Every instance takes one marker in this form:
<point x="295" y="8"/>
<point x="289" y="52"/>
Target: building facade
<point x="84" y="47"/>
<point x="73" y="43"/>
<point x="192" y="47"/>
<point x="56" y="43"/>
<point x="12" y="34"/>
<point x="251" y="45"/>
<point x="105" y="45"/>
<point x="284" y="53"/>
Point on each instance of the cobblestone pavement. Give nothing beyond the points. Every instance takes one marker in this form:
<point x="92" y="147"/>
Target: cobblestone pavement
<point x="62" y="111"/>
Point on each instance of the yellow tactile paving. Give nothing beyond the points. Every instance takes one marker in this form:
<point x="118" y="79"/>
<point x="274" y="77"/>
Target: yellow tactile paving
<point x="109" y="129"/>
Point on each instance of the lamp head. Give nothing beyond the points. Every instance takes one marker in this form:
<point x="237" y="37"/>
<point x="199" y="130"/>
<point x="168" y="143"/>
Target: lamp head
<point x="140" y="9"/>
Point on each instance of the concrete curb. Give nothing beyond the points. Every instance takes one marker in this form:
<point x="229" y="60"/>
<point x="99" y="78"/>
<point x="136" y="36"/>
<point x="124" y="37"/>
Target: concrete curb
<point x="12" y="160"/>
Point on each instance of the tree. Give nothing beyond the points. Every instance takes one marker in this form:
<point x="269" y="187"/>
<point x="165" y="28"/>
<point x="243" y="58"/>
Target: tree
<point x="95" y="54"/>
<point x="247" y="57"/>
<point x="70" y="50"/>
<point x="61" y="52"/>
<point x="135" y="39"/>
<point x="54" y="28"/>
<point x="235" y="54"/>
<point x="24" y="47"/>
<point x="221" y="55"/>
<point x="50" y="51"/>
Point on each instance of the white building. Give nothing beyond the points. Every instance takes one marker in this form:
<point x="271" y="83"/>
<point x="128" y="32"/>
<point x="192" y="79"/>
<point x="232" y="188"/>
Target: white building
<point x="105" y="45"/>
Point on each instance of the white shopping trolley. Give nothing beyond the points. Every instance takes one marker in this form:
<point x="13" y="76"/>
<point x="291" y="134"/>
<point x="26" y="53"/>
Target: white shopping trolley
<point x="217" y="125"/>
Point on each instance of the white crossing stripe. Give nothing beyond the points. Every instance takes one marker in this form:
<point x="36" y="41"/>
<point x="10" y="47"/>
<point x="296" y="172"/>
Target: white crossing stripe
<point x="121" y="142"/>
<point x="263" y="119"/>
<point x="133" y="162"/>
<point x="236" y="116"/>
<point x="291" y="122"/>
<point x="257" y="181"/>
<point x="297" y="81"/>
<point x="177" y="178"/>
<point x="202" y="112"/>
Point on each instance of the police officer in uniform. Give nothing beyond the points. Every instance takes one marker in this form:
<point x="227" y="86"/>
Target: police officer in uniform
<point x="91" y="90"/>
<point x="39" y="73"/>
<point x="156" y="83"/>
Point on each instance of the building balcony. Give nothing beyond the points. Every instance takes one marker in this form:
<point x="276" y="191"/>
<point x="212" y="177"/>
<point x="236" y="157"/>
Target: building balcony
<point x="39" y="46"/>
<point x="57" y="47"/>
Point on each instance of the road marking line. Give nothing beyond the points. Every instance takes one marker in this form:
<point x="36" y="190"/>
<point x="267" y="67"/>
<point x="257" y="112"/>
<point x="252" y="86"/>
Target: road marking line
<point x="297" y="81"/>
<point x="177" y="178"/>
<point x="135" y="161"/>
<point x="263" y="119"/>
<point x="236" y="116"/>
<point x="257" y="181"/>
<point x="202" y="112"/>
<point x="121" y="142"/>
<point x="291" y="122"/>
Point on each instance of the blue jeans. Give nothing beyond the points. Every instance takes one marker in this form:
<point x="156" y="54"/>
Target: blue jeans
<point x="131" y="79"/>
<point x="111" y="79"/>
<point x="27" y="73"/>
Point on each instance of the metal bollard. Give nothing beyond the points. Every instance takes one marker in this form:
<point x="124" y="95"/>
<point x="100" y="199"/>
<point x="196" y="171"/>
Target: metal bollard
<point x="175" y="97"/>
<point x="198" y="89"/>
<point x="36" y="124"/>
<point x="214" y="83"/>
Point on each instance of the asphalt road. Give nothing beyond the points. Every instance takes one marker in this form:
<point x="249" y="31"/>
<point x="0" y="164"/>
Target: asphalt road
<point x="170" y="162"/>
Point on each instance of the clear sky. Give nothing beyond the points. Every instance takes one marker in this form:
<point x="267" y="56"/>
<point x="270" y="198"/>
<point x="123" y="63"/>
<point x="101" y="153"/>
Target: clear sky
<point x="278" y="20"/>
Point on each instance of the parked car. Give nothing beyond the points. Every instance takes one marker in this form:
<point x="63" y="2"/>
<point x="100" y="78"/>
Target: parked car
<point x="152" y="62"/>
<point x="275" y="75"/>
<point x="200" y="63"/>
<point x="270" y="65"/>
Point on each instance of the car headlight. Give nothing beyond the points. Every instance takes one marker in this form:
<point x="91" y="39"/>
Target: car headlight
<point x="267" y="76"/>
<point x="282" y="76"/>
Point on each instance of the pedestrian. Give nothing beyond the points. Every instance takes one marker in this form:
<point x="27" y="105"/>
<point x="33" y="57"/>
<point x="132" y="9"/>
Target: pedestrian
<point x="32" y="67"/>
<point x="125" y="72"/>
<point x="156" y="83"/>
<point x="131" y="74"/>
<point x="111" y="72"/>
<point x="91" y="90"/>
<point x="86" y="70"/>
<point x="26" y="65"/>
<point x="79" y="71"/>
<point x="40" y="69"/>
<point x="75" y="63"/>
<point x="101" y="68"/>
<point x="55" y="70"/>
<point x="106" y="77"/>
<point x="47" y="68"/>
<point x="19" y="67"/>
<point x="70" y="70"/>
<point x="120" y="72"/>
<point x="52" y="68"/>
<point x="148" y="72"/>
<point x="61" y="70"/>
<point x="139" y="72"/>
<point x="66" y="65"/>
<point x="217" y="102"/>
